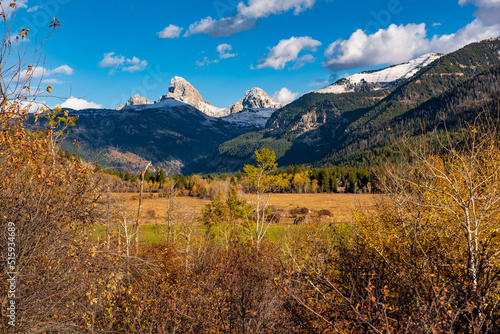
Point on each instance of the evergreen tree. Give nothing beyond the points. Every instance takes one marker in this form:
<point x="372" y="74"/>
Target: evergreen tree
<point x="324" y="180"/>
<point x="351" y="183"/>
<point x="162" y="178"/>
<point x="147" y="176"/>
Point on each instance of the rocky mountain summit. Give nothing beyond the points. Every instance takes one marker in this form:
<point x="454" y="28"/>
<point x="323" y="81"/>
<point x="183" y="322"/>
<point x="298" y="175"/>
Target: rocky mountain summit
<point x="255" y="98"/>
<point x="181" y="90"/>
<point x="135" y="101"/>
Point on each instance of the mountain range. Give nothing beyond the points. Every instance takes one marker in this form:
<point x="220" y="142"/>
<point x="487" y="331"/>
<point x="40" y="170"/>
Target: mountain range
<point x="343" y="123"/>
<point x="346" y="128"/>
<point x="172" y="132"/>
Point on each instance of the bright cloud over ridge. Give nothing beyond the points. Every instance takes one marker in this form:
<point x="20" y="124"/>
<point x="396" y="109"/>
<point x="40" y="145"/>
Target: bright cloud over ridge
<point x="400" y="43"/>
<point x="284" y="95"/>
<point x="79" y="104"/>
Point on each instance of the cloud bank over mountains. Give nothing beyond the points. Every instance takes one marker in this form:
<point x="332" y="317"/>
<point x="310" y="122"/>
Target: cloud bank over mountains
<point x="400" y="43"/>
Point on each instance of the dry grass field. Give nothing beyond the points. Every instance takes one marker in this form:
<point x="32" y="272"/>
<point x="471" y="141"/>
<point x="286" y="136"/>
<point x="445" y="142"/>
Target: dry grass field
<point x="340" y="205"/>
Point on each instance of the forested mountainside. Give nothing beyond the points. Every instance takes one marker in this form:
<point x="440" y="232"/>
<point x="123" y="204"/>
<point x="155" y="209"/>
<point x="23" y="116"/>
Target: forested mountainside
<point x="334" y="128"/>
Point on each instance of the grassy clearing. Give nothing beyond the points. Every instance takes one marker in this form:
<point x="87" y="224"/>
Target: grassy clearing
<point x="341" y="206"/>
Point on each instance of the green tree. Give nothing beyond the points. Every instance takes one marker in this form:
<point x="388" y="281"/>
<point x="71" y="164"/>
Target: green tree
<point x="162" y="178"/>
<point x="351" y="183"/>
<point x="223" y="216"/>
<point x="324" y="180"/>
<point x="147" y="176"/>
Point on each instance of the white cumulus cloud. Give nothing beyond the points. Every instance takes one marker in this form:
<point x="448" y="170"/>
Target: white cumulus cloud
<point x="224" y="53"/>
<point x="488" y="11"/>
<point x="301" y="61"/>
<point x="78" y="104"/>
<point x="246" y="17"/>
<point x="114" y="63"/>
<point x="171" y="31"/>
<point x="64" y="69"/>
<point x="288" y="51"/>
<point x="110" y="60"/>
<point x="223" y="50"/>
<point x="398" y="44"/>
<point x="135" y="65"/>
<point x="284" y="95"/>
<point x="40" y="71"/>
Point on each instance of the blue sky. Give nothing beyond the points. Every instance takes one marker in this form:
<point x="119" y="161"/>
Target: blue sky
<point x="106" y="51"/>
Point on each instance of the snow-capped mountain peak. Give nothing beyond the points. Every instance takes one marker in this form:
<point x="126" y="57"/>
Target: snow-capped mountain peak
<point x="380" y="79"/>
<point x="255" y="98"/>
<point x="181" y="90"/>
<point x="134" y="101"/>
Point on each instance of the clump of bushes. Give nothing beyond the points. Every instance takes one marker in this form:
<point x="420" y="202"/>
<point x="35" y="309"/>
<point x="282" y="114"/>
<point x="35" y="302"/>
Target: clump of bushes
<point x="274" y="216"/>
<point x="299" y="211"/>
<point x="324" y="212"/>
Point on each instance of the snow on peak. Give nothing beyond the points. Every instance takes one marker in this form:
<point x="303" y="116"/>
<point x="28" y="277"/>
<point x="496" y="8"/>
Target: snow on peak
<point x="177" y="78"/>
<point x="255" y="98"/>
<point x="380" y="79"/>
<point x="250" y="118"/>
<point x="255" y="91"/>
<point x="135" y="101"/>
<point x="181" y="90"/>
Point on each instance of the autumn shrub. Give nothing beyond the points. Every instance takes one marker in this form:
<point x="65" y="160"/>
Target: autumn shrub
<point x="296" y="211"/>
<point x="219" y="289"/>
<point x="151" y="213"/>
<point x="325" y="212"/>
<point x="274" y="217"/>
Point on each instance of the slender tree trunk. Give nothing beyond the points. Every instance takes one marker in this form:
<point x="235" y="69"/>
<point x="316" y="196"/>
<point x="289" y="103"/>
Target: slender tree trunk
<point x="139" y="210"/>
<point x="108" y="224"/>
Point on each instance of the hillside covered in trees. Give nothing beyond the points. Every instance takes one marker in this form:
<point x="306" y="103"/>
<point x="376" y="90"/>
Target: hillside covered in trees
<point x="349" y="128"/>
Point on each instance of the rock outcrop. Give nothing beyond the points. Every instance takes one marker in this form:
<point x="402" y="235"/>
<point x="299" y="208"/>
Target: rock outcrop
<point x="183" y="91"/>
<point x="135" y="101"/>
<point x="255" y="98"/>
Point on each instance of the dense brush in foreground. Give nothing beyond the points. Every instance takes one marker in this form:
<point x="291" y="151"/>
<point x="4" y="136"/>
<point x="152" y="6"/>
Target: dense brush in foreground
<point x="425" y="261"/>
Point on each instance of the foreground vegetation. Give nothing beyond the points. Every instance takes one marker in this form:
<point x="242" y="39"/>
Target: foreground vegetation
<point x="426" y="260"/>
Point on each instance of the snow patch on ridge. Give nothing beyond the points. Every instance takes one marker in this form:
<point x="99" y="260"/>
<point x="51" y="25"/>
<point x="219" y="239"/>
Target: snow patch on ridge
<point x="380" y="79"/>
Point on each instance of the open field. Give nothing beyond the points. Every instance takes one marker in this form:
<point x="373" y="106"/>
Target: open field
<point x="189" y="209"/>
<point x="340" y="205"/>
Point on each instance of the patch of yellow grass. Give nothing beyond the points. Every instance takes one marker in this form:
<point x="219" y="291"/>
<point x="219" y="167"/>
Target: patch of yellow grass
<point x="340" y="205"/>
